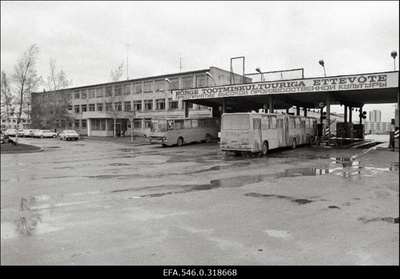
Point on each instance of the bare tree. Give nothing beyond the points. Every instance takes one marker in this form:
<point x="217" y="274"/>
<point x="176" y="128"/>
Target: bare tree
<point x="57" y="79"/>
<point x="25" y="78"/>
<point x="114" y="97"/>
<point x="7" y="99"/>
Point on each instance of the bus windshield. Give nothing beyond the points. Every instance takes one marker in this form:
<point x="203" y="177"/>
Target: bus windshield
<point x="159" y="125"/>
<point x="236" y="122"/>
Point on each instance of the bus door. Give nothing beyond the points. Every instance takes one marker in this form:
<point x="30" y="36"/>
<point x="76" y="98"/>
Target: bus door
<point x="281" y="133"/>
<point x="257" y="134"/>
<point x="286" y="131"/>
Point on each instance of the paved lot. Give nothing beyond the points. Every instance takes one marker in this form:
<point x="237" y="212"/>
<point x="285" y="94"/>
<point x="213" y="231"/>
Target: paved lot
<point x="91" y="202"/>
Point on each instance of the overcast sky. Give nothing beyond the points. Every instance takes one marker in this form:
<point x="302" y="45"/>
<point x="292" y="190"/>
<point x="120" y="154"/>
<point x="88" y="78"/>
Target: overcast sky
<point x="89" y="39"/>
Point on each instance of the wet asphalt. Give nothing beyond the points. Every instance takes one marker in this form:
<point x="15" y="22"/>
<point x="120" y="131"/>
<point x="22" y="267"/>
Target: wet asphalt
<point x="94" y="203"/>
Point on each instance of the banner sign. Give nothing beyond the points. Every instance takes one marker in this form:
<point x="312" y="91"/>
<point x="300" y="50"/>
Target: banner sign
<point x="340" y="83"/>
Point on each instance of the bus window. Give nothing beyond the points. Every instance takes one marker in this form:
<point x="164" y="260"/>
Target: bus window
<point x="170" y="124"/>
<point x="308" y="123"/>
<point x="291" y="123"/>
<point x="236" y="122"/>
<point x="188" y="123"/>
<point x="265" y="122"/>
<point x="297" y="122"/>
<point x="280" y="123"/>
<point x="178" y="124"/>
<point x="195" y="123"/>
<point x="257" y="124"/>
<point x="273" y="122"/>
<point x="201" y="123"/>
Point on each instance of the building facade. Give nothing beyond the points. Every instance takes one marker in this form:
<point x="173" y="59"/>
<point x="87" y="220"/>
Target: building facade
<point x="375" y="116"/>
<point x="95" y="108"/>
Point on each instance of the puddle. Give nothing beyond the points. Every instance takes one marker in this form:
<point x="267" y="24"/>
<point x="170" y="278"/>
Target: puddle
<point x="303" y="172"/>
<point x="298" y="201"/>
<point x="385" y="219"/>
<point x="119" y="164"/>
<point x="52" y="147"/>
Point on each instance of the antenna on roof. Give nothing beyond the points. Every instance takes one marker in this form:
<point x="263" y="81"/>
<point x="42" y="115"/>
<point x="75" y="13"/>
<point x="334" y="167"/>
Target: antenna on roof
<point x="180" y="63"/>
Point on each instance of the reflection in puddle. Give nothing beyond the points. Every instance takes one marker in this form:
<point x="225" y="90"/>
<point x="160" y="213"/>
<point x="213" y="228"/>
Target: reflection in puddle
<point x="385" y="219"/>
<point x="295" y="200"/>
<point x="303" y="172"/>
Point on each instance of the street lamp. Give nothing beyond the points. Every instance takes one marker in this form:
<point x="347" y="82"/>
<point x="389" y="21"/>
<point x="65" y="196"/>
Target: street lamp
<point x="394" y="55"/>
<point x="262" y="75"/>
<point x="321" y="62"/>
<point x="210" y="76"/>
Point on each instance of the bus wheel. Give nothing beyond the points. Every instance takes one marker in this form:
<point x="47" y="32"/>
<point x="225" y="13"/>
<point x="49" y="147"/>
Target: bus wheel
<point x="264" y="148"/>
<point x="208" y="138"/>
<point x="180" y="141"/>
<point x="294" y="144"/>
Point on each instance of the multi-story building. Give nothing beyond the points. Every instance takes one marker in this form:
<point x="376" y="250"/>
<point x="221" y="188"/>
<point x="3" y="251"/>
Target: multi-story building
<point x="93" y="108"/>
<point x="375" y="116"/>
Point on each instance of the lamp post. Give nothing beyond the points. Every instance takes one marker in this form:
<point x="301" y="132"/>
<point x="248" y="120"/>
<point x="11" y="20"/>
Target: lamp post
<point x="321" y="62"/>
<point x="394" y="55"/>
<point x="262" y="76"/>
<point x="210" y="76"/>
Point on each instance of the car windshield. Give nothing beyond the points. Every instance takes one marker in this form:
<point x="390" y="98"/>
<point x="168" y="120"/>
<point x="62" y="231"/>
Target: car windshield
<point x="70" y="132"/>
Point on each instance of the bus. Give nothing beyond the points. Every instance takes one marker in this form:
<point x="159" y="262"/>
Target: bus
<point x="179" y="131"/>
<point x="259" y="132"/>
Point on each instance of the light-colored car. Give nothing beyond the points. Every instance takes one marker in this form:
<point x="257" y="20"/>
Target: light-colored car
<point x="27" y="132"/>
<point x="20" y="133"/>
<point x="11" y="132"/>
<point x="69" y="135"/>
<point x="32" y="133"/>
<point x="44" y="134"/>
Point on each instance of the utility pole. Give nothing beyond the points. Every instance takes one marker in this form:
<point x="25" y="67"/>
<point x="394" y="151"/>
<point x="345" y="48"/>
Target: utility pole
<point x="127" y="62"/>
<point x="180" y="63"/>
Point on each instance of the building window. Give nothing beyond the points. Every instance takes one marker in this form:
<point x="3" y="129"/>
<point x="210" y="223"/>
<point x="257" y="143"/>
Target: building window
<point x="137" y="124"/>
<point x="201" y="81"/>
<point x="99" y="92"/>
<point x="137" y="88"/>
<point x="99" y="107"/>
<point x="77" y="124"/>
<point x="189" y="105"/>
<point x="118" y="106"/>
<point x="127" y="106"/>
<point x="160" y="104"/>
<point x="83" y="108"/>
<point x="76" y="94"/>
<point x="98" y="124"/>
<point x="91" y="107"/>
<point x="69" y="107"/>
<point x="91" y="94"/>
<point x="127" y="89"/>
<point x="118" y="90"/>
<point x="160" y="85"/>
<point x="83" y="94"/>
<point x="148" y="104"/>
<point x="76" y="108"/>
<point x="108" y="91"/>
<point x="83" y="123"/>
<point x="187" y="82"/>
<point x="174" y="84"/>
<point x="148" y="86"/>
<point x="109" y="107"/>
<point x="137" y="105"/>
<point x="147" y="123"/>
<point x="172" y="104"/>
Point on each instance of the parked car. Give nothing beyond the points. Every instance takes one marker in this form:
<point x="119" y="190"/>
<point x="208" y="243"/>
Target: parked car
<point x="11" y="132"/>
<point x="32" y="134"/>
<point x="28" y="132"/>
<point x="20" y="133"/>
<point x="4" y="138"/>
<point x="69" y="135"/>
<point x="44" y="134"/>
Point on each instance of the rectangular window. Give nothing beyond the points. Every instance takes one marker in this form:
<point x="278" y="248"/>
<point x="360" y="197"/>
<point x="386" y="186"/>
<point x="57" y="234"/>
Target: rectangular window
<point x="83" y="123"/>
<point x="187" y="123"/>
<point x="172" y="104"/>
<point x="236" y="122"/>
<point x="91" y="107"/>
<point x="91" y="94"/>
<point x="147" y="123"/>
<point x="137" y="124"/>
<point x="117" y="106"/>
<point x="137" y="105"/>
<point x="160" y="85"/>
<point x="174" y="84"/>
<point x="189" y="105"/>
<point x="265" y="123"/>
<point x="77" y="124"/>
<point x="83" y="94"/>
<point x="273" y="122"/>
<point x="70" y="107"/>
<point x="148" y="104"/>
<point x="76" y="108"/>
<point x="179" y="124"/>
<point x="291" y="123"/>
<point x="76" y="95"/>
<point x="118" y="90"/>
<point x="127" y="106"/>
<point x="160" y="104"/>
<point x="108" y="91"/>
<point x="297" y="122"/>
<point x="109" y="107"/>
<point x="127" y="89"/>
<point x="83" y="108"/>
<point x="99" y="107"/>
<point x="99" y="92"/>
<point x="137" y="88"/>
<point x="187" y="82"/>
<point x="201" y="81"/>
<point x="102" y="124"/>
<point x="195" y="123"/>
<point x="148" y="86"/>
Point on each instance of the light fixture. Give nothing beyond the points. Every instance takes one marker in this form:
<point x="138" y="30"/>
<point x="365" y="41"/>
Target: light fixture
<point x="321" y="62"/>
<point x="262" y="76"/>
<point x="210" y="76"/>
<point x="394" y="55"/>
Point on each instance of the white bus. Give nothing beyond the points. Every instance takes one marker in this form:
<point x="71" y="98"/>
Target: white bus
<point x="260" y="132"/>
<point x="171" y="131"/>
